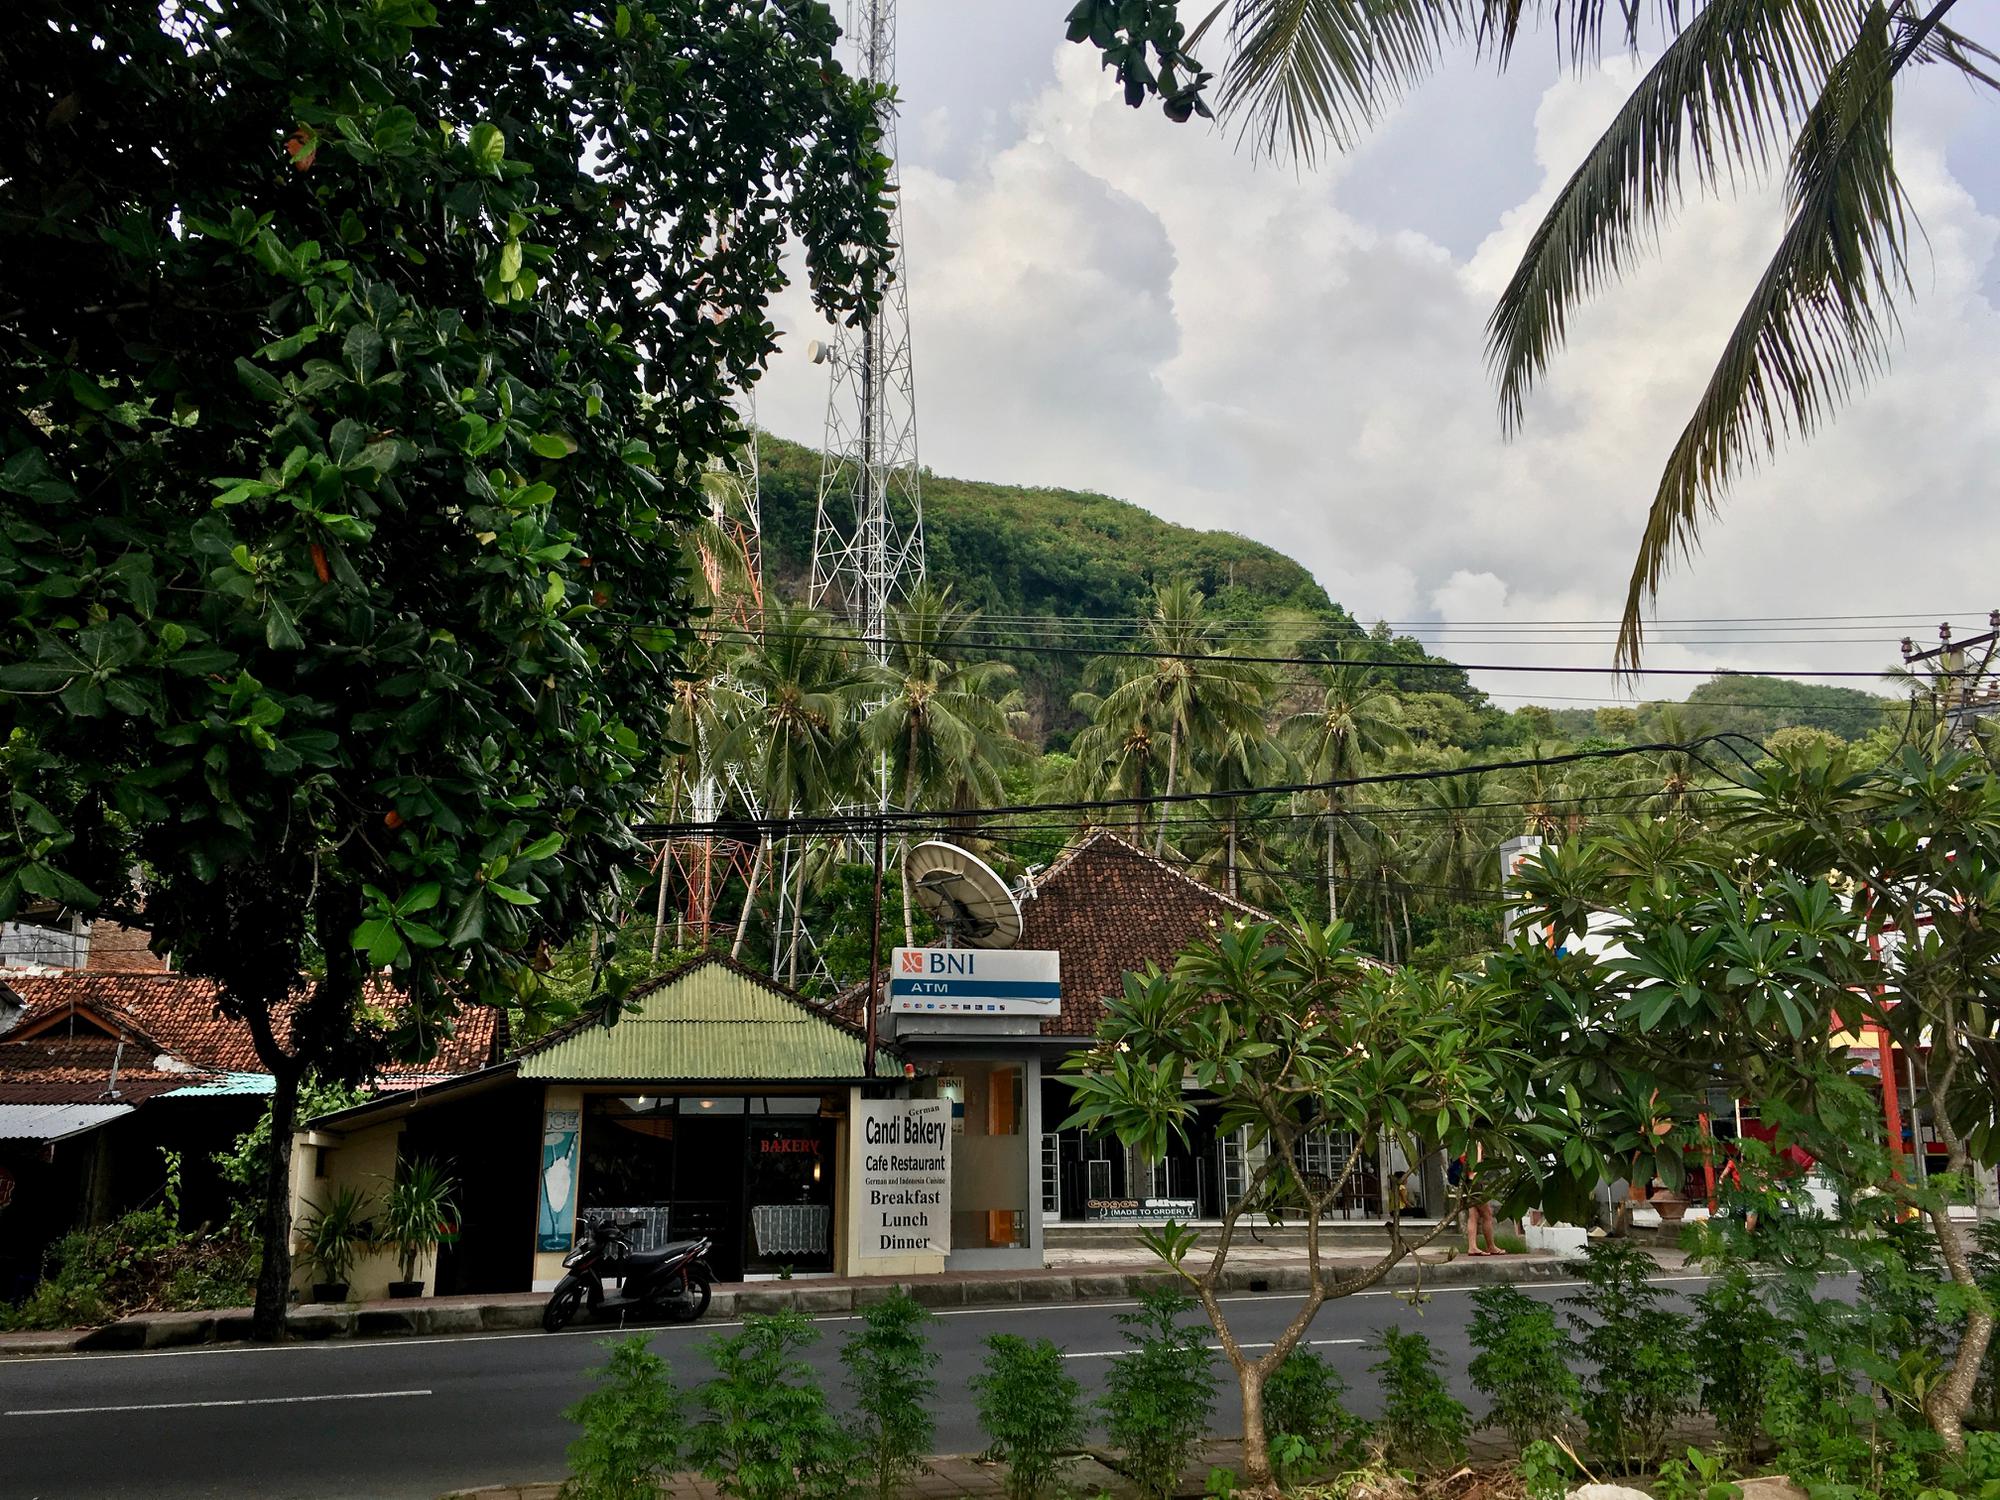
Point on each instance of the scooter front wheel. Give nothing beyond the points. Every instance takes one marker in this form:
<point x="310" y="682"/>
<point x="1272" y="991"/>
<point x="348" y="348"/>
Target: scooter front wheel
<point x="562" y="1306"/>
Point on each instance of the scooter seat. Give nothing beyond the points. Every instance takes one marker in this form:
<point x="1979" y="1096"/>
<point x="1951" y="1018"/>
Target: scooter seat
<point x="642" y="1258"/>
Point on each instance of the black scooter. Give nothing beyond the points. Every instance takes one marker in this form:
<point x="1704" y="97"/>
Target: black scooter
<point x="672" y="1282"/>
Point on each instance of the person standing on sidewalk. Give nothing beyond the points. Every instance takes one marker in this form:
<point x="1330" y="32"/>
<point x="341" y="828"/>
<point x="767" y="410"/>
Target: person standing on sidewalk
<point x="1478" y="1209"/>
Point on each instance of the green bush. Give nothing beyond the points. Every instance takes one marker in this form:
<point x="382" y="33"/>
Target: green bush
<point x="1423" y="1425"/>
<point x="1305" y="1420"/>
<point x="1522" y="1366"/>
<point x="888" y="1373"/>
<point x="1031" y="1410"/>
<point x="1743" y="1350"/>
<point x="766" y="1432"/>
<point x="1640" y="1355"/>
<point x="141" y="1261"/>
<point x="1159" y="1393"/>
<point x="1696" y="1477"/>
<point x="632" y="1428"/>
<point x="1545" y="1471"/>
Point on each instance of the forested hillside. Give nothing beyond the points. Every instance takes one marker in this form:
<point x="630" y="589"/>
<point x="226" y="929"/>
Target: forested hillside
<point x="1025" y="556"/>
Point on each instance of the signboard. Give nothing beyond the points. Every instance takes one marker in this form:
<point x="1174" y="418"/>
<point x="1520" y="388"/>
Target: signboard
<point x="905" y="1187"/>
<point x="975" y="981"/>
<point x="1134" y="1210"/>
<point x="555" y="1204"/>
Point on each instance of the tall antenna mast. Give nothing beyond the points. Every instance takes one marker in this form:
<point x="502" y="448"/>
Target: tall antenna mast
<point x="868" y="535"/>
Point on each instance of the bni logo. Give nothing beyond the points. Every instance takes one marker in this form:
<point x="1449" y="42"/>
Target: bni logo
<point x="913" y="963"/>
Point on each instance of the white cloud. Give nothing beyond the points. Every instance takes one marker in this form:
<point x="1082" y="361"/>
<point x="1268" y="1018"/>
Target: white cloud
<point x="1109" y="302"/>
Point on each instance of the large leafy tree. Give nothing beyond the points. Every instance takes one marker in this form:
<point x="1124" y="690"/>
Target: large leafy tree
<point x="1738" y="87"/>
<point x="364" y="359"/>
<point x="1351" y="716"/>
<point x="1747" y="959"/>
<point x="1288" y="1032"/>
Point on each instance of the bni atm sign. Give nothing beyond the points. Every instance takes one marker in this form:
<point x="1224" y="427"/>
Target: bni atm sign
<point x="975" y="981"/>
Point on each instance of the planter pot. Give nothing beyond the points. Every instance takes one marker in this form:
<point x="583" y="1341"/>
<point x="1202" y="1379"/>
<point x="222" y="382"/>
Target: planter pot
<point x="1671" y="1207"/>
<point x="406" y="1289"/>
<point x="329" y="1291"/>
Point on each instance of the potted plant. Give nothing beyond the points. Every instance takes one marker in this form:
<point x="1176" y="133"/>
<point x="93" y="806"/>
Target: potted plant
<point x="333" y="1232"/>
<point x="414" y="1212"/>
<point x="1670" y="1205"/>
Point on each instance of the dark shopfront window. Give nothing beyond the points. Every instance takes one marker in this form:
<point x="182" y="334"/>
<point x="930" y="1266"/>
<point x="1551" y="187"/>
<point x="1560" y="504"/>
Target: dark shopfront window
<point x="755" y="1174"/>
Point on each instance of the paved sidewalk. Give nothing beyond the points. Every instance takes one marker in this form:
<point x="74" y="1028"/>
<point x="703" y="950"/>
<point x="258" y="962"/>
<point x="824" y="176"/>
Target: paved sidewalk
<point x="1252" y="1269"/>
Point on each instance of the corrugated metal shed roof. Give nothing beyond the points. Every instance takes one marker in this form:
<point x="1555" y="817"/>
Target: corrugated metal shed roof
<point x="55" y="1122"/>
<point x="228" y="1085"/>
<point x="710" y="1022"/>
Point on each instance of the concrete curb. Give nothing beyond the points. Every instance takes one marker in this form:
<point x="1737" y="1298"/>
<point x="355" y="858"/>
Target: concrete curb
<point x="519" y="1312"/>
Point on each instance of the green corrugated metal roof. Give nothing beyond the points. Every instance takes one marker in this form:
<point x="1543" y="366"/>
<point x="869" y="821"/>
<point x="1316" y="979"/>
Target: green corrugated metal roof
<point x="710" y="1022"/>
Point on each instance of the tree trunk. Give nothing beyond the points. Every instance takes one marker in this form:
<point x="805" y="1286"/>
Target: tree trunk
<point x="274" y="1272"/>
<point x="1409" y="943"/>
<point x="1173" y="767"/>
<point x="1257" y="1477"/>
<point x="660" y="906"/>
<point x="1948" y="1400"/>
<point x="749" y="896"/>
<point x="909" y="918"/>
<point x="798" y="925"/>
<point x="1232" y="852"/>
<point x="1332" y="897"/>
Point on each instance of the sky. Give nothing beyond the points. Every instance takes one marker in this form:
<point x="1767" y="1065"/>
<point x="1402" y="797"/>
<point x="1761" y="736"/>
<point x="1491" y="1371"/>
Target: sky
<point x="1102" y="300"/>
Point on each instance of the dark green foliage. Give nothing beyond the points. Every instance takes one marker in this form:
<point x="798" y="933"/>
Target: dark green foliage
<point x="141" y="1261"/>
<point x="888" y="1362"/>
<point x="766" y="1432"/>
<point x="366" y="356"/>
<point x="632" y="1428"/>
<point x="1743" y="1351"/>
<point x="1522" y="1365"/>
<point x="248" y="1158"/>
<point x="1546" y="1471"/>
<point x="1031" y="1410"/>
<point x="1305" y="1421"/>
<point x="1639" y="1354"/>
<point x="1158" y="1394"/>
<point x="1423" y="1425"/>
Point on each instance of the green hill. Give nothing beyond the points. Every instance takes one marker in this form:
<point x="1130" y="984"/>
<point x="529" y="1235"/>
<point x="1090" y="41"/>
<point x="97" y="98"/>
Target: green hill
<point x="1016" y="551"/>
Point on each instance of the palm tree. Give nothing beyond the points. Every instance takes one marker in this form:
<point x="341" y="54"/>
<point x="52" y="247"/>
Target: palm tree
<point x="1116" y="755"/>
<point x="1680" y="781"/>
<point x="1739" y="85"/>
<point x="1178" y="686"/>
<point x="1245" y="760"/>
<point x="1354" y="720"/>
<point x="944" y="731"/>
<point x="795" y="744"/>
<point x="1457" y="847"/>
<point x="706" y="708"/>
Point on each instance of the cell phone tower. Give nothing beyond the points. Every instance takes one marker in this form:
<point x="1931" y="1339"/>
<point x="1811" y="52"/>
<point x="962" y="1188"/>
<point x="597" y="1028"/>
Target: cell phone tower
<point x="868" y="535"/>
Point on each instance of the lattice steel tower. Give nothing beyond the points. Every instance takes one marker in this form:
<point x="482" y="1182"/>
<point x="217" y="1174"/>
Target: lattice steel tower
<point x="868" y="535"/>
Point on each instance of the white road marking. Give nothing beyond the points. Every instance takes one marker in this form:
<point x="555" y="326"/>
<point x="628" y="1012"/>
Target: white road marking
<point x="1113" y="1353"/>
<point x="391" y="1341"/>
<point x="79" y="1411"/>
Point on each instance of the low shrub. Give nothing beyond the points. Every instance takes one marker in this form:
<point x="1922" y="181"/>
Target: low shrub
<point x="1522" y="1365"/>
<point x="1305" y="1421"/>
<point x="1744" y="1352"/>
<point x="888" y="1364"/>
<point x="1640" y="1355"/>
<point x="141" y="1261"/>
<point x="1159" y="1393"/>
<point x="1423" y="1425"/>
<point x="766" y="1431"/>
<point x="632" y="1428"/>
<point x="1031" y="1410"/>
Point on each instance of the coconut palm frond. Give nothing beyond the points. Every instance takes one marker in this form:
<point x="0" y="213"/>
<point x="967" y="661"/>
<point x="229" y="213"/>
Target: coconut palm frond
<point x="1303" y="74"/>
<point x="1729" y="88"/>
<point x="1817" y="325"/>
<point x="1955" y="49"/>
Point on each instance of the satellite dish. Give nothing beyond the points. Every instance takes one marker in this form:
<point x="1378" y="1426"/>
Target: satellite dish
<point x="818" y="351"/>
<point x="963" y="895"/>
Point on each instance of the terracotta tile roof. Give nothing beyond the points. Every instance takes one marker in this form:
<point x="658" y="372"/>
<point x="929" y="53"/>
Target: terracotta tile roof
<point x="176" y="1013"/>
<point x="1108" y="907"/>
<point x="57" y="1068"/>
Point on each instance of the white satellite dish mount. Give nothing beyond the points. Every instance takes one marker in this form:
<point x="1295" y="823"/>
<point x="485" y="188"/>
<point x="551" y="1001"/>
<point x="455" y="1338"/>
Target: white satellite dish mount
<point x="964" y="895"/>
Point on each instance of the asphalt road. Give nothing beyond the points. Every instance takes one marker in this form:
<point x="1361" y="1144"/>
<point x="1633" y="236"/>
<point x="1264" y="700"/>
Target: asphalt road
<point x="416" y="1417"/>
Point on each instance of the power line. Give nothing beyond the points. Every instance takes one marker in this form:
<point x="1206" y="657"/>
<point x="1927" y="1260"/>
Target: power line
<point x="792" y="826"/>
<point x="1386" y="664"/>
